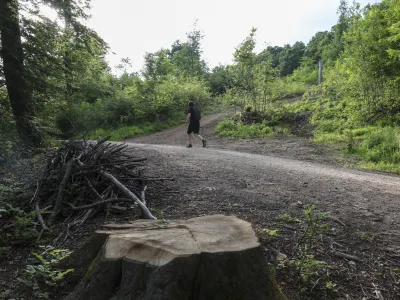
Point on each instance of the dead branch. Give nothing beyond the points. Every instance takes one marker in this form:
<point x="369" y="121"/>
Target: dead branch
<point x="92" y="188"/>
<point x="108" y="201"/>
<point x="336" y="220"/>
<point x="147" y="214"/>
<point x="82" y="177"/>
<point x="67" y="174"/>
<point x="39" y="216"/>
<point x="346" y="256"/>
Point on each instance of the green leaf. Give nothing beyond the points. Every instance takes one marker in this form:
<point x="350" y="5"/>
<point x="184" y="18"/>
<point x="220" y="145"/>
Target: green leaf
<point x="271" y="232"/>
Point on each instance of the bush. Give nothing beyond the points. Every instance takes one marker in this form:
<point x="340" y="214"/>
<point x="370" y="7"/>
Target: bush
<point x="138" y="104"/>
<point x="305" y="74"/>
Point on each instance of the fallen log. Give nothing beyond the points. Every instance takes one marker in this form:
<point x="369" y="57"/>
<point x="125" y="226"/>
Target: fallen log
<point x="213" y="257"/>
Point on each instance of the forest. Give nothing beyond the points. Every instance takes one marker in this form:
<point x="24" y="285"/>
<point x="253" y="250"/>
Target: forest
<point x="55" y="84"/>
<point x="66" y="89"/>
<point x="355" y="109"/>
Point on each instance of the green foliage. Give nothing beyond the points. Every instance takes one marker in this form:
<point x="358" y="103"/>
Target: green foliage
<point x="8" y="134"/>
<point x="314" y="225"/>
<point x="307" y="74"/>
<point x="287" y="88"/>
<point x="270" y="232"/>
<point x="158" y="213"/>
<point x="187" y="56"/>
<point x="125" y="132"/>
<point x="22" y="231"/>
<point x="302" y="267"/>
<point x="229" y="128"/>
<point x="307" y="268"/>
<point x="220" y="80"/>
<point x="290" y="58"/>
<point x="136" y="106"/>
<point x="44" y="273"/>
<point x="286" y="218"/>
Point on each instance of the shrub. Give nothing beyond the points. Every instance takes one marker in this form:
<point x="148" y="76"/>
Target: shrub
<point x="136" y="105"/>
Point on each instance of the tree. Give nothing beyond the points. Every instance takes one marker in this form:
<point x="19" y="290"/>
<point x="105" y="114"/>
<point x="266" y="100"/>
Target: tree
<point x="370" y="64"/>
<point x="316" y="47"/>
<point x="51" y="65"/>
<point x="272" y="53"/>
<point x="15" y="75"/>
<point x="290" y="58"/>
<point x="187" y="56"/>
<point x="220" y="79"/>
<point x="244" y="58"/>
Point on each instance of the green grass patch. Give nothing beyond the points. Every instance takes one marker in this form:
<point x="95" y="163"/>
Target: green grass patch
<point x="378" y="147"/>
<point x="125" y="132"/>
<point x="230" y="128"/>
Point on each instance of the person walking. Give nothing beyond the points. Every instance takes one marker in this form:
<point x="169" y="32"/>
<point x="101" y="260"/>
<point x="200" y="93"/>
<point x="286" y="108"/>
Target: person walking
<point x="193" y="118"/>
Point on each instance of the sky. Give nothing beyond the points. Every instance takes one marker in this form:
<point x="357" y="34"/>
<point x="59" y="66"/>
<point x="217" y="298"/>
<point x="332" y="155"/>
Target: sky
<point x="133" y="27"/>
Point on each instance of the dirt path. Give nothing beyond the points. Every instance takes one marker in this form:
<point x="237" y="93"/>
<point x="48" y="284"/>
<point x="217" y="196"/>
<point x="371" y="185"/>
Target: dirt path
<point x="288" y="147"/>
<point x="177" y="135"/>
<point x="263" y="179"/>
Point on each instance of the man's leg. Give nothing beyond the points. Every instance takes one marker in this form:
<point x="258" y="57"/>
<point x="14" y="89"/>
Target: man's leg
<point x="201" y="138"/>
<point x="190" y="139"/>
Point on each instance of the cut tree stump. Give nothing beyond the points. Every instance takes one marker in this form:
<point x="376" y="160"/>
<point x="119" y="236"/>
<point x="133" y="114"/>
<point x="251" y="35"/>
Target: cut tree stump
<point x="212" y="258"/>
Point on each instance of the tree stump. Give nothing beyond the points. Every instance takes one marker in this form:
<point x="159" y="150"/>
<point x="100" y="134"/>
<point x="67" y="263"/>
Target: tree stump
<point x="213" y="257"/>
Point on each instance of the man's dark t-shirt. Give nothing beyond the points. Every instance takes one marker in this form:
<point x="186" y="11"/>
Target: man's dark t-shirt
<point x="194" y="122"/>
<point x="194" y="114"/>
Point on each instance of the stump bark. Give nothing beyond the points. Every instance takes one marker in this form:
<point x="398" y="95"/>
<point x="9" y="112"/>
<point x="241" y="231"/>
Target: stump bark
<point x="213" y="257"/>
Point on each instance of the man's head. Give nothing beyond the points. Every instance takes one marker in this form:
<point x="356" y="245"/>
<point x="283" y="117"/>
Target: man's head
<point x="190" y="103"/>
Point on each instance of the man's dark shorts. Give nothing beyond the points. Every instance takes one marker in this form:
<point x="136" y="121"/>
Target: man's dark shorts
<point x="194" y="126"/>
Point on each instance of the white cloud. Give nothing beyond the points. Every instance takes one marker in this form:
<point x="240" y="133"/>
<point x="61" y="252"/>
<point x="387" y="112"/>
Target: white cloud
<point x="134" y="27"/>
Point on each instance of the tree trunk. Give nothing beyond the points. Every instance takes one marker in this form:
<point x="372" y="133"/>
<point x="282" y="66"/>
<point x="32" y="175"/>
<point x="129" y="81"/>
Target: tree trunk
<point x="67" y="53"/>
<point x="13" y="65"/>
<point x="211" y="258"/>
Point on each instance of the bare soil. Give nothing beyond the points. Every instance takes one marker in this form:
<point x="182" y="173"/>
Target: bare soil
<point x="258" y="180"/>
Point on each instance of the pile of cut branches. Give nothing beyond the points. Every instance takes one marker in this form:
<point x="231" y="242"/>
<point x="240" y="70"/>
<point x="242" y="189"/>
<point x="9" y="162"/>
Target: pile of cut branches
<point x="84" y="177"/>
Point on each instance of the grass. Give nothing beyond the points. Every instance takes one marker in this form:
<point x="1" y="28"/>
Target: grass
<point x="378" y="147"/>
<point x="336" y="124"/>
<point x="229" y="128"/>
<point x="125" y="132"/>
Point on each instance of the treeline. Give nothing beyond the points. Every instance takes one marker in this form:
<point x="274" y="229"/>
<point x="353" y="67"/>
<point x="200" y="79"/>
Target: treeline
<point x="358" y="104"/>
<point x="290" y="70"/>
<point x="361" y="62"/>
<point x="54" y="80"/>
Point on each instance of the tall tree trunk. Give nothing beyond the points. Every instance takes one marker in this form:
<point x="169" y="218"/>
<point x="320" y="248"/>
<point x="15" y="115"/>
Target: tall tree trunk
<point x="67" y="54"/>
<point x="14" y="73"/>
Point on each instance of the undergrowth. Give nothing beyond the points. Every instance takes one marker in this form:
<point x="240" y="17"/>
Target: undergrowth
<point x="302" y="266"/>
<point x="327" y="120"/>
<point x="42" y="274"/>
<point x="125" y="132"/>
<point x="233" y="129"/>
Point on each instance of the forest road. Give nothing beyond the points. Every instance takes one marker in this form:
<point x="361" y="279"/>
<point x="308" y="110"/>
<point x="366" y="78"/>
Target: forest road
<point x="265" y="177"/>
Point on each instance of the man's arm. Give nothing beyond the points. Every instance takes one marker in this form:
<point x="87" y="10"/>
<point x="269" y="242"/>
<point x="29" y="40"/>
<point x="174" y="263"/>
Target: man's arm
<point x="188" y="117"/>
